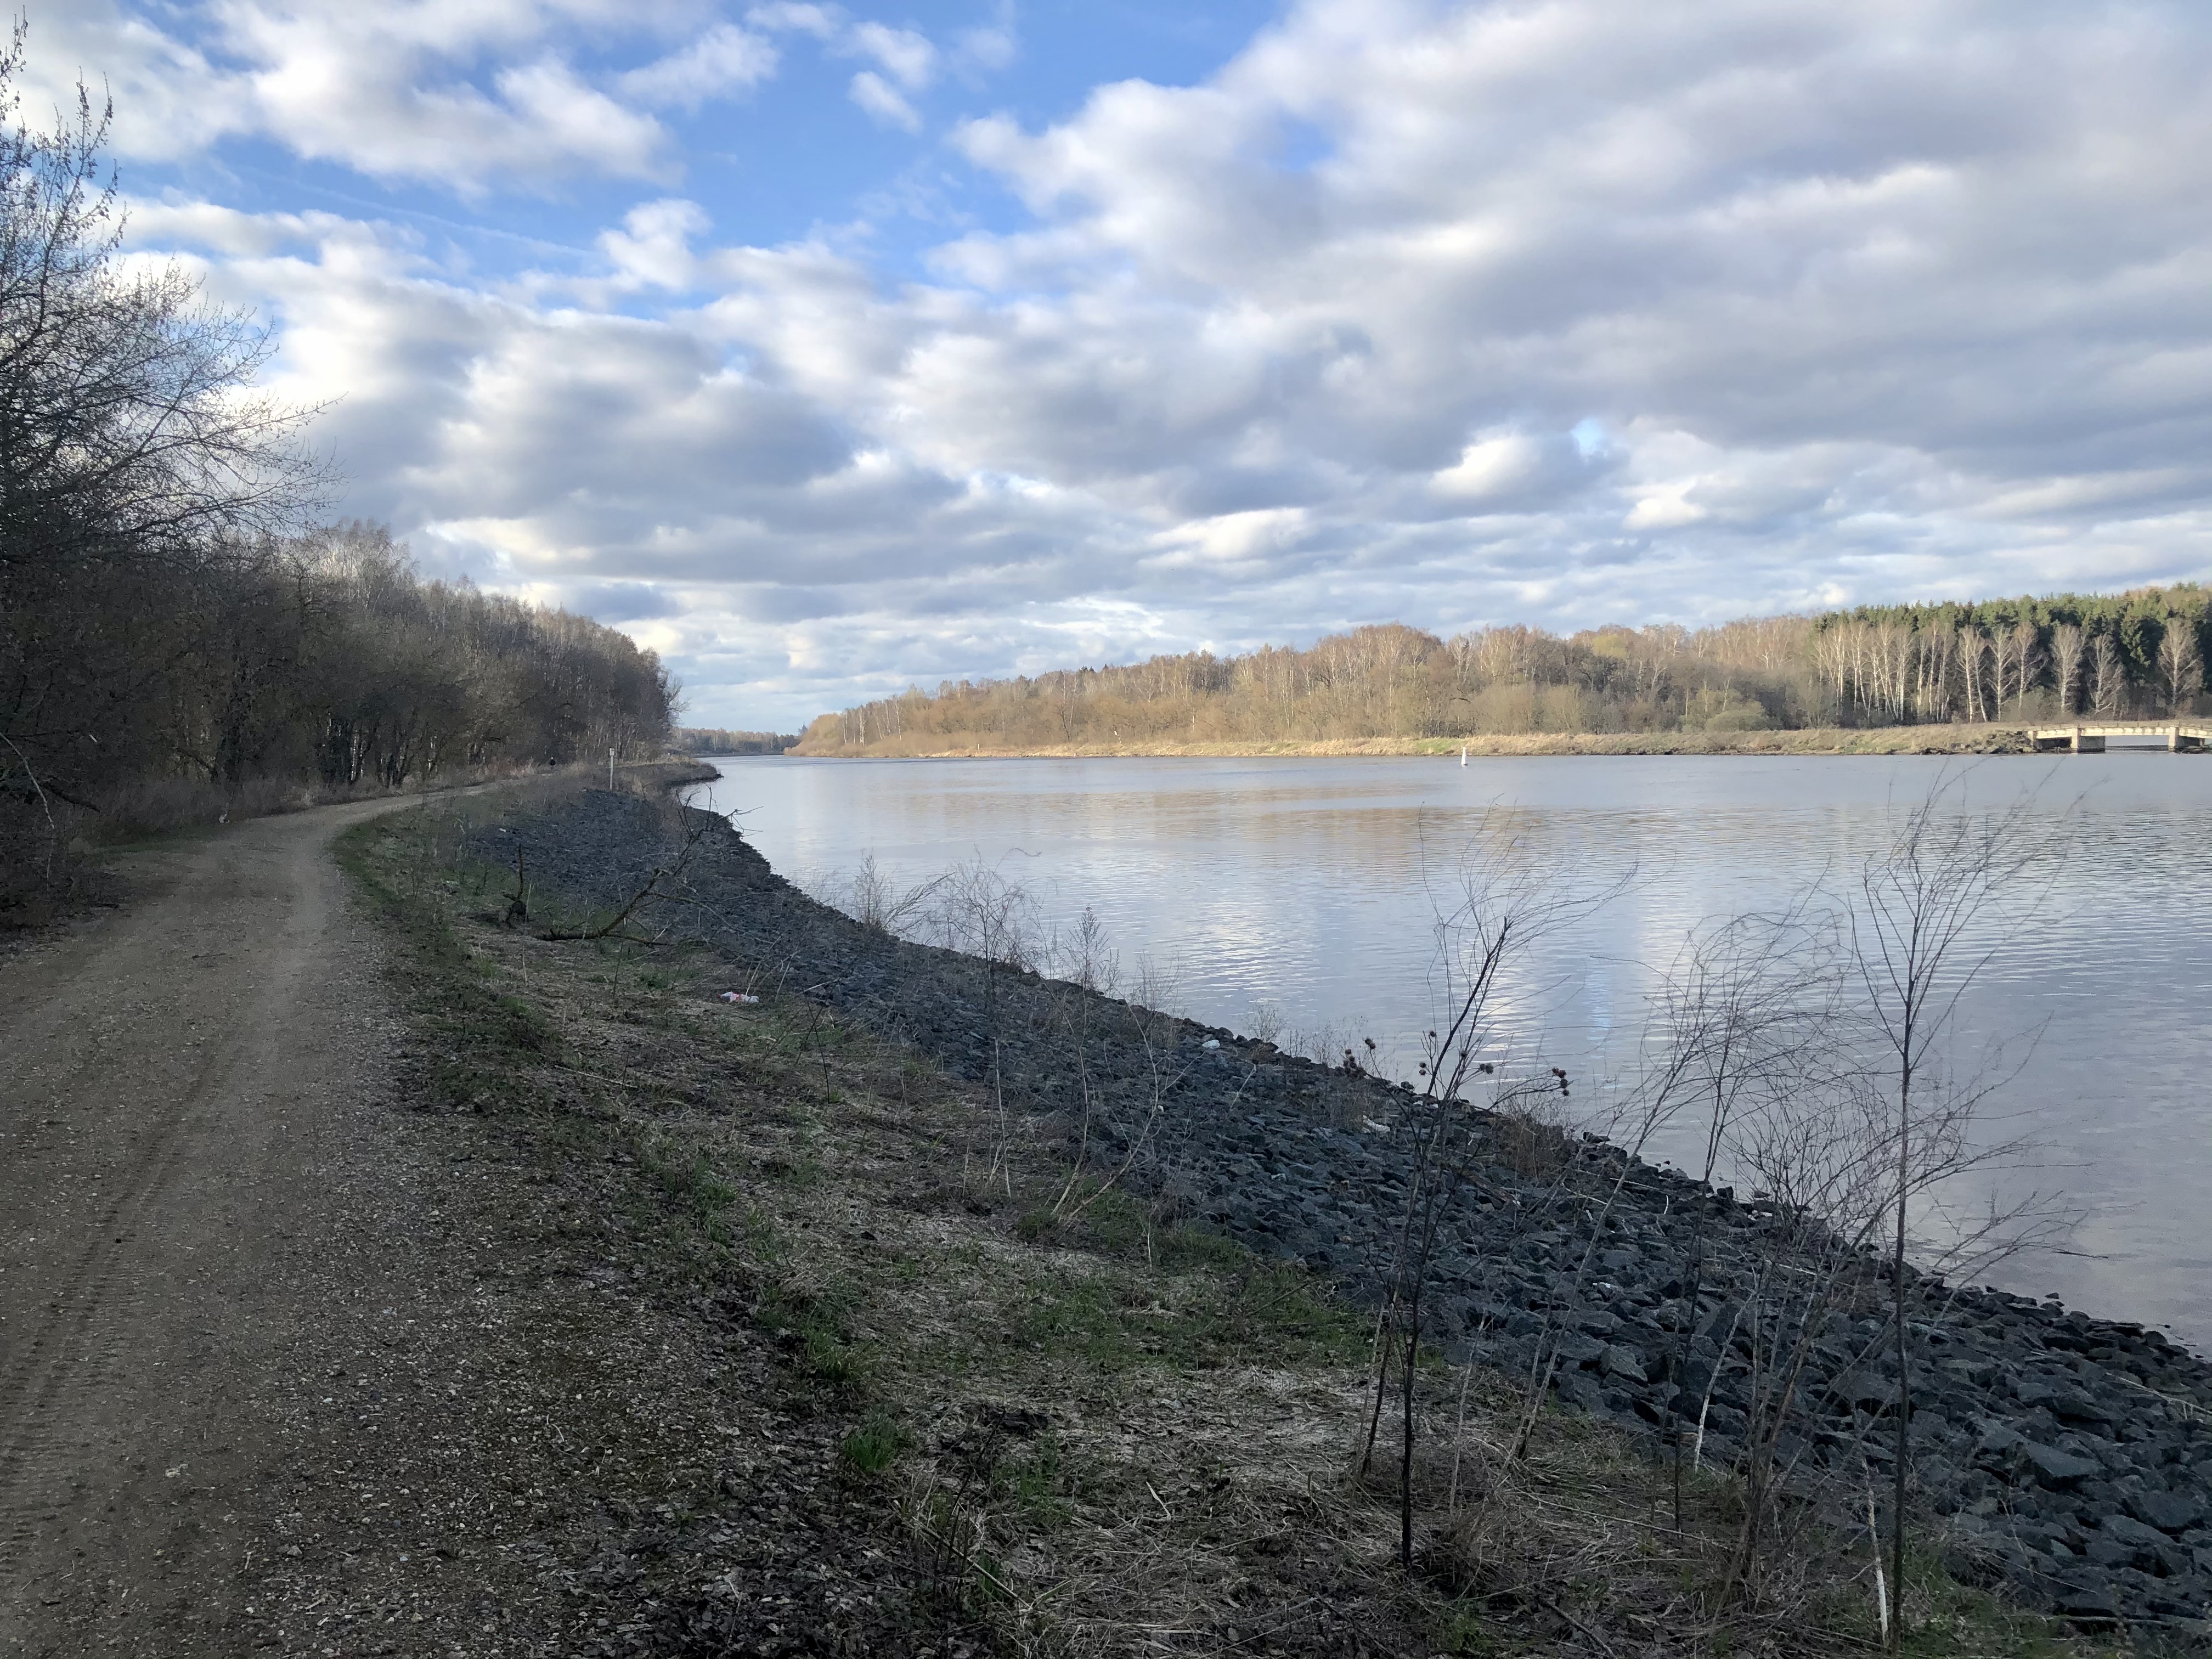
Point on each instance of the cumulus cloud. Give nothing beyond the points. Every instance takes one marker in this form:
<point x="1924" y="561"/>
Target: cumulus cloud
<point x="907" y="58"/>
<point x="171" y="100"/>
<point x="881" y="100"/>
<point x="473" y="94"/>
<point x="1555" y="310"/>
<point x="723" y="60"/>
<point x="823" y="22"/>
<point x="985" y="49"/>
<point x="653" y="249"/>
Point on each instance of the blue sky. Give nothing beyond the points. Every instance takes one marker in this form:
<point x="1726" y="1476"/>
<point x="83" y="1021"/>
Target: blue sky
<point x="830" y="349"/>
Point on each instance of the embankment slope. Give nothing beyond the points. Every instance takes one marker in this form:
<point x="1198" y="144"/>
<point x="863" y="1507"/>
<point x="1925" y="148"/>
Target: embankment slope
<point x="2067" y="1456"/>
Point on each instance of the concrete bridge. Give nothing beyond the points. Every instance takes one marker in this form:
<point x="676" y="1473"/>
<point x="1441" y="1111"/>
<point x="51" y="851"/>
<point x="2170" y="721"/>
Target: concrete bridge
<point x="2181" y="736"/>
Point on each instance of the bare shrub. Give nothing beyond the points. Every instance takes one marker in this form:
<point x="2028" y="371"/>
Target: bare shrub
<point x="1507" y="899"/>
<point x="872" y="898"/>
<point x="1085" y="957"/>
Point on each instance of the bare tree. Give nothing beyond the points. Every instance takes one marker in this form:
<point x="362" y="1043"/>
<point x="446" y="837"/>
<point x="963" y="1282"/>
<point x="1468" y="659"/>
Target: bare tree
<point x="1507" y="900"/>
<point x="1812" y="1324"/>
<point x="2026" y="649"/>
<point x="133" y="450"/>
<point x="1748" y="1014"/>
<point x="2066" y="649"/>
<point x="1977" y="654"/>
<point x="975" y="910"/>
<point x="2180" y="664"/>
<point x="2108" y="680"/>
<point x="1922" y="930"/>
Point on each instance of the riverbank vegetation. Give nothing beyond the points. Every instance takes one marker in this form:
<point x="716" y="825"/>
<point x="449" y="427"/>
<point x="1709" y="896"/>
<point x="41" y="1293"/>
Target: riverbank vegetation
<point x="179" y="638"/>
<point x="1954" y="673"/>
<point x="716" y="740"/>
<point x="909" y="1397"/>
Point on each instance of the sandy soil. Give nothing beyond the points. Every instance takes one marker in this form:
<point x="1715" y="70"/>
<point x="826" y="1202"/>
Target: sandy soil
<point x="177" y="1074"/>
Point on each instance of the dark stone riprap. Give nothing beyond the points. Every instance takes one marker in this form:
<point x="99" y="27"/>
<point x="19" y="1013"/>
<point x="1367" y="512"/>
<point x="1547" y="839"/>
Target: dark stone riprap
<point x="2068" y="1458"/>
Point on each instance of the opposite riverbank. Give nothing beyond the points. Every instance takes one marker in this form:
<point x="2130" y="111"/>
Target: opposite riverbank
<point x="1874" y="740"/>
<point x="1008" y="1251"/>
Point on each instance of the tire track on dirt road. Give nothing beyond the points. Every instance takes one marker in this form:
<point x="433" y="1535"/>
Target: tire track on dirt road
<point x="171" y="1078"/>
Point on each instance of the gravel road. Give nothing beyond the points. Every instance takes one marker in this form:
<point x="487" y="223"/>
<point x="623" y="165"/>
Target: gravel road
<point x="177" y="1078"/>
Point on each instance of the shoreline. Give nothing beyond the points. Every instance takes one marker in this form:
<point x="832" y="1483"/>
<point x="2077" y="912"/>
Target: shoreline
<point x="1812" y="740"/>
<point x="2067" y="1454"/>
<point x="759" y="1304"/>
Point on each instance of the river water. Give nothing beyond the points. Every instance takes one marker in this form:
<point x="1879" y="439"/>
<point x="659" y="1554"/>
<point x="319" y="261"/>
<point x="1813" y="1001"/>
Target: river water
<point x="1301" y="896"/>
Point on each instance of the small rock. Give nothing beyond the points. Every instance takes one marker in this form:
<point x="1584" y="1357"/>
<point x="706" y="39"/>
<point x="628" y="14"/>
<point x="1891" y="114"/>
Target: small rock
<point x="1576" y="1349"/>
<point x="2169" y="1512"/>
<point x="1623" y="1362"/>
<point x="2093" y="1600"/>
<point x="2054" y="1468"/>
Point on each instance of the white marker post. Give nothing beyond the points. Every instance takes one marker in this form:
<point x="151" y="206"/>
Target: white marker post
<point x="611" y="771"/>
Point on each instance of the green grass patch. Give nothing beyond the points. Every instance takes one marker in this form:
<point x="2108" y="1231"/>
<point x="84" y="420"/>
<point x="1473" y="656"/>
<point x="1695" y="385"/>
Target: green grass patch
<point x="1036" y="1481"/>
<point x="1264" y="1312"/>
<point x="477" y="1031"/>
<point x="875" y="1446"/>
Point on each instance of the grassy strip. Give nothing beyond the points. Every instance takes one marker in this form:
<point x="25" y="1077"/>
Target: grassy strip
<point x="1119" y="1436"/>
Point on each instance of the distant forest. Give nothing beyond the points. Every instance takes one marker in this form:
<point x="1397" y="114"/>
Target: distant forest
<point x="2140" y="652"/>
<point x="716" y="740"/>
<point x="177" y="638"/>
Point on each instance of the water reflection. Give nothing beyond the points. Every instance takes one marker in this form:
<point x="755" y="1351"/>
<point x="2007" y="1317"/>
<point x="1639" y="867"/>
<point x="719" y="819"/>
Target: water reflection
<point x="1312" y="885"/>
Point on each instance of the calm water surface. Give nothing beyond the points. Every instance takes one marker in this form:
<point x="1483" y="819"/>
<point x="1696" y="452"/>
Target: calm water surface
<point x="1305" y="892"/>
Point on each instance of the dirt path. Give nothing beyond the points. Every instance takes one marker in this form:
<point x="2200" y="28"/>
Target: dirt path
<point x="171" y="1080"/>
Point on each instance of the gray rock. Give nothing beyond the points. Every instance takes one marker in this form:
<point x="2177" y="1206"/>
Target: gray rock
<point x="1579" y="1389"/>
<point x="2132" y="1533"/>
<point x="2109" y="1552"/>
<point x="1576" y="1349"/>
<point x="2085" y="1598"/>
<point x="2074" y="1406"/>
<point x="1624" y="1362"/>
<point x="2169" y="1512"/>
<point x="2055" y="1468"/>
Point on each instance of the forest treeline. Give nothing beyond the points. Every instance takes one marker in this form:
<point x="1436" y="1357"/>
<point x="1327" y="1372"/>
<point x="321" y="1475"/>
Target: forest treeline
<point x="2140" y="653"/>
<point x="174" y="629"/>
<point x="719" y="740"/>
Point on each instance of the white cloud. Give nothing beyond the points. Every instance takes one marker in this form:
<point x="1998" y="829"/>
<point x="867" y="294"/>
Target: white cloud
<point x="986" y="49"/>
<point x="823" y="22"/>
<point x="171" y="101"/>
<point x="227" y="231"/>
<point x="1555" y="311"/>
<point x="1517" y="472"/>
<point x="908" y="58"/>
<point x="876" y="95"/>
<point x="473" y="94"/>
<point x="653" y="248"/>
<point x="723" y="60"/>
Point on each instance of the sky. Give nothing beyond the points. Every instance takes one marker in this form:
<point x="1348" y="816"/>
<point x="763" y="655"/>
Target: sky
<point x="828" y="350"/>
